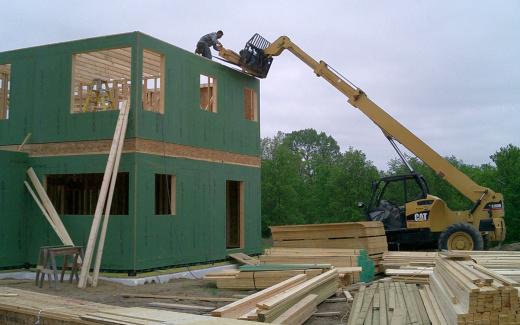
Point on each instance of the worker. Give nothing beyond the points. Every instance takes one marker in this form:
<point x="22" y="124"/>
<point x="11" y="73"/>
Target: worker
<point x="208" y="40"/>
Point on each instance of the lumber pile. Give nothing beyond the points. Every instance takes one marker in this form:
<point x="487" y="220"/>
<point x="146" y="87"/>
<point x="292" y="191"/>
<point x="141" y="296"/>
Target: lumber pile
<point x="389" y="302"/>
<point x="506" y="263"/>
<point x="368" y="235"/>
<point x="262" y="276"/>
<point x="339" y="258"/>
<point x="411" y="274"/>
<point x="397" y="260"/>
<point x="294" y="299"/>
<point x="27" y="307"/>
<point x="469" y="293"/>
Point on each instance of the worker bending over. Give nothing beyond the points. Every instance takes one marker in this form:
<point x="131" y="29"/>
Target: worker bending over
<point x="208" y="40"/>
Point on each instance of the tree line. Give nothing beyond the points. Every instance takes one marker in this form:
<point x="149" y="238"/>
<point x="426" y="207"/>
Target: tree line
<point x="306" y="178"/>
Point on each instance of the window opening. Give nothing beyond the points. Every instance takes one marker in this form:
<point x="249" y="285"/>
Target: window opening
<point x="208" y="93"/>
<point x="234" y="214"/>
<point x="5" y="87"/>
<point x="101" y="79"/>
<point x="153" y="83"/>
<point x="77" y="194"/>
<point x="165" y="194"/>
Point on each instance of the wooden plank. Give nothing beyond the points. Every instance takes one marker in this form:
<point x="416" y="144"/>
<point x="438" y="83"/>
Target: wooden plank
<point x="108" y="205"/>
<point x="53" y="214"/>
<point x="180" y="306"/>
<point x="85" y="267"/>
<point x="299" y="312"/>
<point x="348" y="296"/>
<point x="177" y="297"/>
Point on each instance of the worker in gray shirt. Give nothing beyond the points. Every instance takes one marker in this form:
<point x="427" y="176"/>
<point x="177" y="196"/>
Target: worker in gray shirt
<point x="208" y="40"/>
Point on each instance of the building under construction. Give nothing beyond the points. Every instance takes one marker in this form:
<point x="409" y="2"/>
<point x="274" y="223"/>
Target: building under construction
<point x="188" y="187"/>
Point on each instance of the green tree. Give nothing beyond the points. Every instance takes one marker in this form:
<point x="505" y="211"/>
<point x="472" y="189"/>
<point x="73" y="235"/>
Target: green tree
<point x="507" y="160"/>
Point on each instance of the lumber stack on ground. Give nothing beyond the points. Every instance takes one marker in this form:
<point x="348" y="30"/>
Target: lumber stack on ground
<point x="411" y="274"/>
<point x="368" y="235"/>
<point x="389" y="302"/>
<point x="262" y="276"/>
<point x="339" y="258"/>
<point x="469" y="293"/>
<point x="291" y="299"/>
<point x="28" y="307"/>
<point x="506" y="263"/>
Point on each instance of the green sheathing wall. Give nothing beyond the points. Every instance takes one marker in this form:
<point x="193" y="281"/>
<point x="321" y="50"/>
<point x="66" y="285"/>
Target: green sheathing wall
<point x="41" y="79"/>
<point x="12" y="208"/>
<point x="119" y="250"/>
<point x="197" y="233"/>
<point x="183" y="121"/>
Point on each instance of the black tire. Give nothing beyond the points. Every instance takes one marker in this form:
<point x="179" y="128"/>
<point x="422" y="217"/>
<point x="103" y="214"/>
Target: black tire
<point x="476" y="236"/>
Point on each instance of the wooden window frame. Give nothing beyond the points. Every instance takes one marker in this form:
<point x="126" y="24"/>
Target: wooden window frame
<point x="250" y="104"/>
<point x="5" y="90"/>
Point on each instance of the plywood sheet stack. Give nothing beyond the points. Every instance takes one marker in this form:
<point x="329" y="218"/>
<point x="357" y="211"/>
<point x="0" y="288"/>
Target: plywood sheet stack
<point x="286" y="300"/>
<point x="340" y="258"/>
<point x="368" y="235"/>
<point x="390" y="302"/>
<point x="469" y="293"/>
<point x="263" y="276"/>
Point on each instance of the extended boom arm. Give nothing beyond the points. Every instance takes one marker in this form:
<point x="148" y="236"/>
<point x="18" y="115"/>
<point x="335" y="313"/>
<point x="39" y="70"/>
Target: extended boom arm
<point x="390" y="127"/>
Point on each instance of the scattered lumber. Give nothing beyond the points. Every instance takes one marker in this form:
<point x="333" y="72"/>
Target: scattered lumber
<point x="32" y="307"/>
<point x="469" y="293"/>
<point x="388" y="302"/>
<point x="251" y="277"/>
<point x="190" y="298"/>
<point x="368" y="235"/>
<point x="343" y="259"/>
<point x="284" y="300"/>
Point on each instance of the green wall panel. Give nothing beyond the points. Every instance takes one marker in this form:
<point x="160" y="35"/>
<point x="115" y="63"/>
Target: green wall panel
<point x="12" y="208"/>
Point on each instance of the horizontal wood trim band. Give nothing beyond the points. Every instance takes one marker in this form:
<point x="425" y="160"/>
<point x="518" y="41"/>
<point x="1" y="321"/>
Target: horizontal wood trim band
<point x="136" y="145"/>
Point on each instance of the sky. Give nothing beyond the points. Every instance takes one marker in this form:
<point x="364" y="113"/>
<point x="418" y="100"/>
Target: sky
<point x="447" y="70"/>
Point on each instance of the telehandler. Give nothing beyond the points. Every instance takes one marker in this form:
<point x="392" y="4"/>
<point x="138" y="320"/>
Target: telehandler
<point x="414" y="216"/>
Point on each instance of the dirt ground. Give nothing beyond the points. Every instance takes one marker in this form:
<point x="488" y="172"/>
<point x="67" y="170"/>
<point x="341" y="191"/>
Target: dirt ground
<point x="111" y="293"/>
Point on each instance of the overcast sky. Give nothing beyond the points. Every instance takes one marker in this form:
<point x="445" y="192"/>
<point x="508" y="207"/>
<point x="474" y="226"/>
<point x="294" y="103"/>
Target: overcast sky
<point x="447" y="70"/>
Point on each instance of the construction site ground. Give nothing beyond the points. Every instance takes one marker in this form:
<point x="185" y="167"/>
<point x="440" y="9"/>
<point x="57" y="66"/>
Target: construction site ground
<point x="112" y="294"/>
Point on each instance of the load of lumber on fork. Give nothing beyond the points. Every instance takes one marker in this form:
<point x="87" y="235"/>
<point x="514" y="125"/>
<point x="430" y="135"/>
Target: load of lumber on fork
<point x="388" y="302"/>
<point x="368" y="235"/>
<point x="337" y="257"/>
<point x="293" y="300"/>
<point x="469" y="293"/>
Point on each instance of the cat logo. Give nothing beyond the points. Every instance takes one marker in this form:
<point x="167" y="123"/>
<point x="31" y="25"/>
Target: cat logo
<point x="421" y="216"/>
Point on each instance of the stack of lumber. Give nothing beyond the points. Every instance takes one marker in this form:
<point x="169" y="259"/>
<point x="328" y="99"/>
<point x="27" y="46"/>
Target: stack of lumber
<point x="469" y="293"/>
<point x="262" y="276"/>
<point x="27" y="307"/>
<point x="397" y="260"/>
<point x="389" y="302"/>
<point x="340" y="258"/>
<point x="505" y="263"/>
<point x="368" y="235"/>
<point x="411" y="274"/>
<point x="291" y="301"/>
